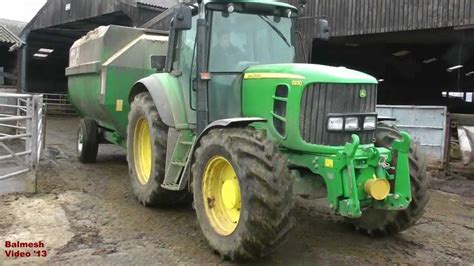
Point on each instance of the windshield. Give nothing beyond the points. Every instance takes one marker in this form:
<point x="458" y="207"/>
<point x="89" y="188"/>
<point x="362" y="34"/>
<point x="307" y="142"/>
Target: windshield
<point x="240" y="40"/>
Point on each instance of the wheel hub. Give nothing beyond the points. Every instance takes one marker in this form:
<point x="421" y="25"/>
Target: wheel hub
<point x="222" y="198"/>
<point x="80" y="140"/>
<point x="142" y="151"/>
<point x="230" y="194"/>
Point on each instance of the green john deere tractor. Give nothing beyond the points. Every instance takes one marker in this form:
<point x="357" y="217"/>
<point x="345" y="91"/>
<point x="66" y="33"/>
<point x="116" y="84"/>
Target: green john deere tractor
<point x="230" y="118"/>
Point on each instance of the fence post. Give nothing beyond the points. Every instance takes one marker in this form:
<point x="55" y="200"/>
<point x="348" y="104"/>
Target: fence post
<point x="40" y="128"/>
<point x="34" y="122"/>
<point x="29" y="126"/>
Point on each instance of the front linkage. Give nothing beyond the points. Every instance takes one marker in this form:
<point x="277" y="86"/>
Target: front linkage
<point x="361" y="176"/>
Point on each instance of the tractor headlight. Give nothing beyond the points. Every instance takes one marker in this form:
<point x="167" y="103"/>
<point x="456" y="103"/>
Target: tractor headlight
<point x="352" y="123"/>
<point x="335" y="123"/>
<point x="370" y="123"/>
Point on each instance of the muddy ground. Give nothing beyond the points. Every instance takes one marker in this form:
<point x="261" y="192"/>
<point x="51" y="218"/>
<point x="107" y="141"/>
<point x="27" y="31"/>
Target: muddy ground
<point x="85" y="214"/>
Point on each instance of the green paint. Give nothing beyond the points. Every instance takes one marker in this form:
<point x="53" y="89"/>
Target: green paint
<point x="177" y="97"/>
<point x="258" y="97"/>
<point x="352" y="164"/>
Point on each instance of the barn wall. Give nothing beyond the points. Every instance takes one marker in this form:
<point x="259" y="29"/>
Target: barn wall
<point x="8" y="62"/>
<point x="54" y="12"/>
<point x="354" y="17"/>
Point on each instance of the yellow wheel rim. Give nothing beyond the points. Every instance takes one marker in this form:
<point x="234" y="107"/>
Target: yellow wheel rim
<point x="221" y="193"/>
<point x="142" y="151"/>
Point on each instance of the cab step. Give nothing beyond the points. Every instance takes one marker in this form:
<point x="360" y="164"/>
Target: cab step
<point x="178" y="160"/>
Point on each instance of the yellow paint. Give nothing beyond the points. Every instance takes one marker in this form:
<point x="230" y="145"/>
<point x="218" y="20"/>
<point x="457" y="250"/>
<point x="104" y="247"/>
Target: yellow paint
<point x="329" y="163"/>
<point x="119" y="106"/>
<point x="272" y="76"/>
<point x="377" y="188"/>
<point x="221" y="195"/>
<point x="142" y="151"/>
<point x="297" y="83"/>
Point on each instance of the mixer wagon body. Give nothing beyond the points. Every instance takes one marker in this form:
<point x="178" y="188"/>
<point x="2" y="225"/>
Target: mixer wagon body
<point x="103" y="66"/>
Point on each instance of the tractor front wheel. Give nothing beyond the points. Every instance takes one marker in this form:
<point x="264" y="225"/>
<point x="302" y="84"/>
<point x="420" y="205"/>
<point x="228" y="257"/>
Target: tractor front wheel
<point x="242" y="193"/>
<point x="385" y="222"/>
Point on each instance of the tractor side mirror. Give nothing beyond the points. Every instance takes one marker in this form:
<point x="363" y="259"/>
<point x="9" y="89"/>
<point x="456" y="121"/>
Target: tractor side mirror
<point x="158" y="62"/>
<point x="182" y="19"/>
<point x="323" y="33"/>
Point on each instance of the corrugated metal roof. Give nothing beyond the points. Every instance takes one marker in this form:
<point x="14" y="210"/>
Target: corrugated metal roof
<point x="6" y="36"/>
<point x="159" y="3"/>
<point x="14" y="26"/>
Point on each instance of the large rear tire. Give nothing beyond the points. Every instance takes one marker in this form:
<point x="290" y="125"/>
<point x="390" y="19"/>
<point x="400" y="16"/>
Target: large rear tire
<point x="242" y="193"/>
<point x="384" y="222"/>
<point x="147" y="137"/>
<point x="87" y="141"/>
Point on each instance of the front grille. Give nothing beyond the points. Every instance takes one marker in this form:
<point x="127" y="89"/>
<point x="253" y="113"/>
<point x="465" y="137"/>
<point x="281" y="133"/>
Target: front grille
<point x="320" y="99"/>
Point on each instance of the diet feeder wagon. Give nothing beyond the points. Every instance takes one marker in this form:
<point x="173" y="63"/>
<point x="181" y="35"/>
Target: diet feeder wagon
<point x="218" y="109"/>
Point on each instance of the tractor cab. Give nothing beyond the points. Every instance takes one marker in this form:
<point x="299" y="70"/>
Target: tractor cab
<point x="234" y="37"/>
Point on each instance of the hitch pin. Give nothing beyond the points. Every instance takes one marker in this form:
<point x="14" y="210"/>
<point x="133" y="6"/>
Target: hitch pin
<point x="383" y="161"/>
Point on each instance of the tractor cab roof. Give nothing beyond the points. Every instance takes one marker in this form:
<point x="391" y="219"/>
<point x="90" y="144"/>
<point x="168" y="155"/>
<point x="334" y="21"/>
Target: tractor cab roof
<point x="263" y="2"/>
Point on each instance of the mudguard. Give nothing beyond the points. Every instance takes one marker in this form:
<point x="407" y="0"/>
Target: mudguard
<point x="167" y="95"/>
<point x="222" y="123"/>
<point x="238" y="121"/>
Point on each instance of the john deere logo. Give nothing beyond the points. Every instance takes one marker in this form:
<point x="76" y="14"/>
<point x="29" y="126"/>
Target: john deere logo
<point x="362" y="93"/>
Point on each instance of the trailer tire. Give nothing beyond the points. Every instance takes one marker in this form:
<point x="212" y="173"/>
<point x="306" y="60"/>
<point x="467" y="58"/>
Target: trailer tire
<point x="147" y="161"/>
<point x="261" y="219"/>
<point x="87" y="141"/>
<point x="385" y="222"/>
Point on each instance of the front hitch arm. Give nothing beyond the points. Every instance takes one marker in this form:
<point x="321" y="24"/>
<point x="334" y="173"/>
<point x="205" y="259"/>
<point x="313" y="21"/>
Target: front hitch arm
<point x="350" y="207"/>
<point x="401" y="197"/>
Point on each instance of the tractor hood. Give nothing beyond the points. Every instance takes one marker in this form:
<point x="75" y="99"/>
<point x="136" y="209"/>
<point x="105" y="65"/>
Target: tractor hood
<point x="310" y="73"/>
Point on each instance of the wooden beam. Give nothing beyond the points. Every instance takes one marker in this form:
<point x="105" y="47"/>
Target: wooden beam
<point x="158" y="18"/>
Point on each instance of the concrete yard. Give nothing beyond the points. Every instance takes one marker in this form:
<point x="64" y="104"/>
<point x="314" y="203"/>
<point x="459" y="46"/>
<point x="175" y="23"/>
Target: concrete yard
<point x="86" y="214"/>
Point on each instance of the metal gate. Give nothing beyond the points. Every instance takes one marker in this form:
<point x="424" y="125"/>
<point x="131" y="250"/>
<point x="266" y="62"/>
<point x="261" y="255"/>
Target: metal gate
<point x="427" y="124"/>
<point x="58" y="104"/>
<point x="21" y="133"/>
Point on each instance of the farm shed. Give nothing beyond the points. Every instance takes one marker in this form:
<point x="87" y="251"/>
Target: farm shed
<point x="50" y="34"/>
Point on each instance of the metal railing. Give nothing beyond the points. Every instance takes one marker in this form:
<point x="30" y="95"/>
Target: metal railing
<point x="58" y="104"/>
<point x="21" y="133"/>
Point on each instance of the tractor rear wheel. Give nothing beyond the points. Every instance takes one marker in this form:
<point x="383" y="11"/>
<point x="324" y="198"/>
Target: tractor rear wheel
<point x="87" y="144"/>
<point x="147" y="137"/>
<point x="385" y="222"/>
<point x="242" y="193"/>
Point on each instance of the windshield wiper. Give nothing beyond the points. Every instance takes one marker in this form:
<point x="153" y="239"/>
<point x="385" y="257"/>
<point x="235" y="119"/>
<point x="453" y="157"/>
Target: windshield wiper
<point x="282" y="36"/>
